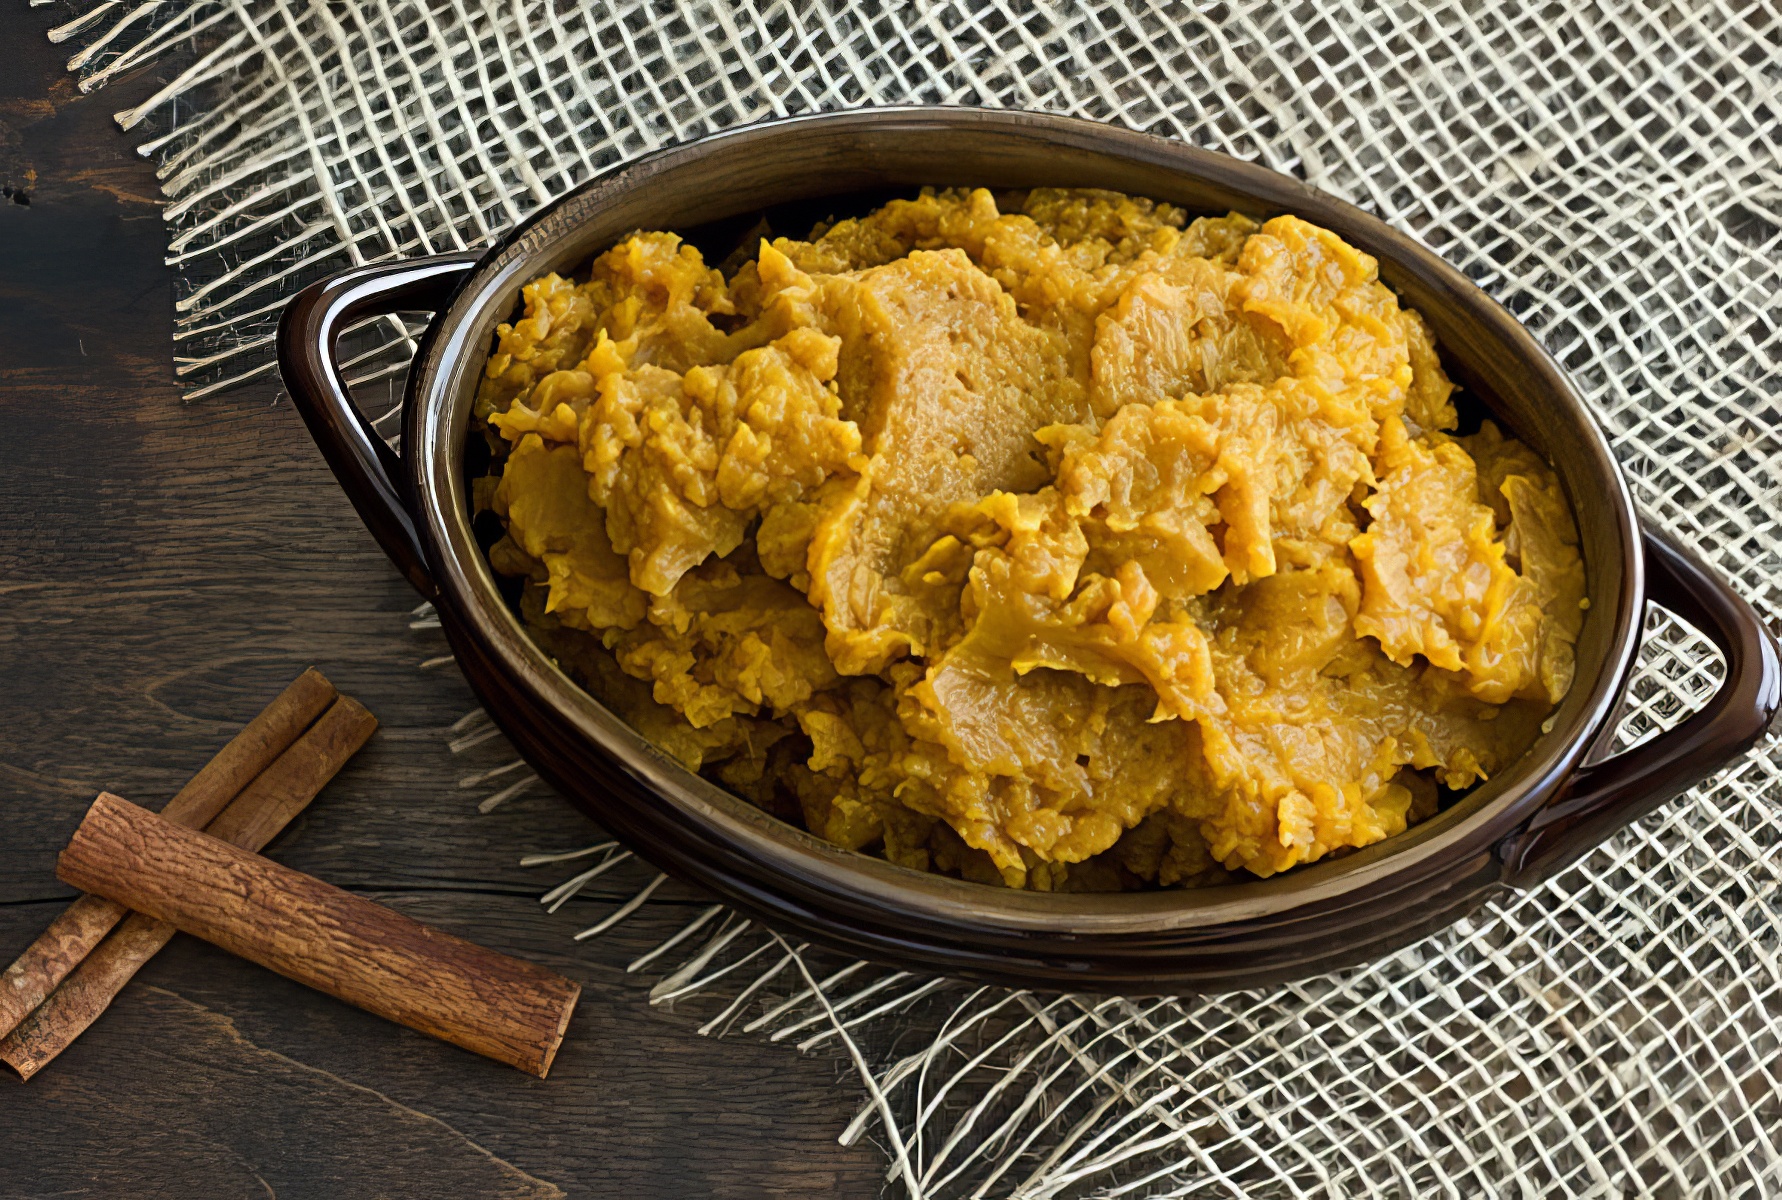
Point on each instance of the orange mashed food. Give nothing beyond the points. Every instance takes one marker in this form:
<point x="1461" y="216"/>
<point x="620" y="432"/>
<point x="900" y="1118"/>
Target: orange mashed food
<point x="1050" y="540"/>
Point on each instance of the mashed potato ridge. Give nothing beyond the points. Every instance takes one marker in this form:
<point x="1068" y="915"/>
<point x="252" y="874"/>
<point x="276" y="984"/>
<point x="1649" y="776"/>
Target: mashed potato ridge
<point x="1050" y="540"/>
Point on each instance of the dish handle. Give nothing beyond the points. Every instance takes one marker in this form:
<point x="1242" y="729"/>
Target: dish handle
<point x="368" y="469"/>
<point x="1603" y="797"/>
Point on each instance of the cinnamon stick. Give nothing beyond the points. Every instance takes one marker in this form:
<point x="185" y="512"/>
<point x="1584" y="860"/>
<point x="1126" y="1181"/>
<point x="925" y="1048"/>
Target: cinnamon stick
<point x="79" y="929"/>
<point x="285" y="788"/>
<point x="307" y="930"/>
<point x="251" y="751"/>
<point x="58" y="950"/>
<point x="251" y="819"/>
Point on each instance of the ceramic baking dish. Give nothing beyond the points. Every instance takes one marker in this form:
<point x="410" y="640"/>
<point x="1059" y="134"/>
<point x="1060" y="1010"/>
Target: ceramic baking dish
<point x="1561" y="799"/>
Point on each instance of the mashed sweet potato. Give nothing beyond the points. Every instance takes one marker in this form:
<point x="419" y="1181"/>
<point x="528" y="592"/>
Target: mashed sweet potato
<point x="1050" y="540"/>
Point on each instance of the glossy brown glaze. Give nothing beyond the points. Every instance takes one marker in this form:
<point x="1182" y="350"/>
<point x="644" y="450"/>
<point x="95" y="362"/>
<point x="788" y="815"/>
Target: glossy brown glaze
<point x="1308" y="920"/>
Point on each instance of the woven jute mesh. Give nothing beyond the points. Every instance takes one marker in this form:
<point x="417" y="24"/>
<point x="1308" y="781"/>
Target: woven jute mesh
<point x="1611" y="172"/>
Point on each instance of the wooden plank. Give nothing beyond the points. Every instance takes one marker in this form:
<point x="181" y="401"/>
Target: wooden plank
<point x="208" y="1047"/>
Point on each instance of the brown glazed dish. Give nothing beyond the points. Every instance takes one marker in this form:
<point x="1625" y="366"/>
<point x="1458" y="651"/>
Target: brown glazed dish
<point x="1560" y="800"/>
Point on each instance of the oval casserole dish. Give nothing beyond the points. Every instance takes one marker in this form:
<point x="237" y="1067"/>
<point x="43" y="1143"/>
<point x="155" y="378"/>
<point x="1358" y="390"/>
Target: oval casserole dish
<point x="1518" y="828"/>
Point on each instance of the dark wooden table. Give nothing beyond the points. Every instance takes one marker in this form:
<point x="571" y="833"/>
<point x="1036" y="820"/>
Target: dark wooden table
<point x="165" y="569"/>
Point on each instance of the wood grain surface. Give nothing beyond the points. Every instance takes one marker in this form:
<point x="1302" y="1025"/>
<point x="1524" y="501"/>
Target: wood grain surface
<point x="164" y="570"/>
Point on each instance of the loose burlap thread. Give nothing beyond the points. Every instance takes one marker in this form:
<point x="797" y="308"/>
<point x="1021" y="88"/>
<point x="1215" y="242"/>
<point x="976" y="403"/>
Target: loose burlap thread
<point x="1609" y="171"/>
